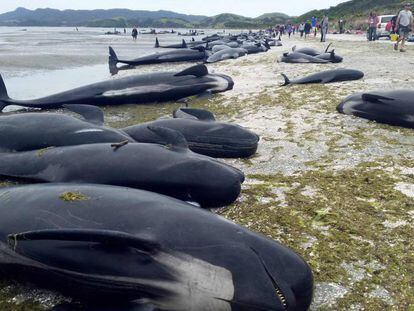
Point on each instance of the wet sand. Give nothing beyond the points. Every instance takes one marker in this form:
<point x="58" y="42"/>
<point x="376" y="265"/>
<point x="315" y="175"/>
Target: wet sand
<point x="337" y="189"/>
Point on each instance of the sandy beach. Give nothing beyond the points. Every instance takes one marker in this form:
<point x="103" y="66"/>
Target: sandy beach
<point x="336" y="189"/>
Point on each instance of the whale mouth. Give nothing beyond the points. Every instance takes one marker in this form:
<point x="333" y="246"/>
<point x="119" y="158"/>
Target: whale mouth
<point x="279" y="293"/>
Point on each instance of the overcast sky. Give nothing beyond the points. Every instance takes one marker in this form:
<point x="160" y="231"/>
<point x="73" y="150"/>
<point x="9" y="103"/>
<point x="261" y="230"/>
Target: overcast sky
<point x="250" y="8"/>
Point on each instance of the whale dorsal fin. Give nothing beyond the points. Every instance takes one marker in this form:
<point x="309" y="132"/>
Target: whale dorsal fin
<point x="90" y="113"/>
<point x="197" y="70"/>
<point x="106" y="237"/>
<point x="374" y="98"/>
<point x="191" y="113"/>
<point x="184" y="44"/>
<point x="172" y="138"/>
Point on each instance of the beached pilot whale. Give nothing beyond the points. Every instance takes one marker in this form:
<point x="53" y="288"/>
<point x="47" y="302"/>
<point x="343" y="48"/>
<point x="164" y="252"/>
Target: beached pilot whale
<point x="203" y="134"/>
<point x="180" y="55"/>
<point x="392" y="107"/>
<point x="33" y="131"/>
<point x="182" y="45"/>
<point x="310" y="51"/>
<point x="296" y="57"/>
<point x="230" y="53"/>
<point x="114" y="245"/>
<point x="328" y="76"/>
<point x="137" y="89"/>
<point x="172" y="170"/>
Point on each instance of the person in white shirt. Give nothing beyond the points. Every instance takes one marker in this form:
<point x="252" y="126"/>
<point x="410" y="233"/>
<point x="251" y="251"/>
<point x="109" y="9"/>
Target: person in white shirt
<point x="301" y="29"/>
<point x="403" y="26"/>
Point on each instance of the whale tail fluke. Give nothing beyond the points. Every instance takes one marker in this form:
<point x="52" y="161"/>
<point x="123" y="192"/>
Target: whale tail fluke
<point x="3" y="94"/>
<point x="287" y="81"/>
<point x="113" y="58"/>
<point x="157" y="43"/>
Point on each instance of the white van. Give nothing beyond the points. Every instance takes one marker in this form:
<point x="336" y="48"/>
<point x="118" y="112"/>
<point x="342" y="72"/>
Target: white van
<point x="383" y="20"/>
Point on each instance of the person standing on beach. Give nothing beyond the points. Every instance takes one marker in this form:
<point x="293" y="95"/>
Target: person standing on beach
<point x="314" y="24"/>
<point x="373" y="21"/>
<point x="289" y="29"/>
<point x="301" y="29"/>
<point x="324" y="27"/>
<point x="403" y="26"/>
<point x="308" y="27"/>
<point x="134" y="33"/>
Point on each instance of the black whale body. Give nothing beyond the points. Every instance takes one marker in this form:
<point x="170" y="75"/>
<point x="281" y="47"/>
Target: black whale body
<point x="310" y="51"/>
<point x="389" y="107"/>
<point x="328" y="76"/>
<point x="180" y="55"/>
<point x="296" y="57"/>
<point x="33" y="131"/>
<point x="203" y="134"/>
<point x="172" y="170"/>
<point x="113" y="245"/>
<point x="139" y="89"/>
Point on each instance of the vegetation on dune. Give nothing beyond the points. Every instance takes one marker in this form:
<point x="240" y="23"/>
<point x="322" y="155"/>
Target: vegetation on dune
<point x="356" y="12"/>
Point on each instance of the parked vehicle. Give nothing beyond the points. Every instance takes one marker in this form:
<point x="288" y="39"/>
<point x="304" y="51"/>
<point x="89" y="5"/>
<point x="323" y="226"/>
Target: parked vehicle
<point x="383" y="20"/>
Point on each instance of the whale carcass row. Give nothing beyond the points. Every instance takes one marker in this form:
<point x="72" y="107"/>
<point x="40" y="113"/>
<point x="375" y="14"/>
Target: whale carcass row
<point x="203" y="134"/>
<point x="328" y="76"/>
<point x="137" y="89"/>
<point x="33" y="131"/>
<point x="173" y="169"/>
<point x="230" y="53"/>
<point x="392" y="107"/>
<point x="180" y="55"/>
<point x="111" y="245"/>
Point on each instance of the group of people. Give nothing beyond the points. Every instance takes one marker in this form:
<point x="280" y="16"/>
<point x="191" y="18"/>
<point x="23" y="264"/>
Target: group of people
<point x="400" y="24"/>
<point x="305" y="28"/>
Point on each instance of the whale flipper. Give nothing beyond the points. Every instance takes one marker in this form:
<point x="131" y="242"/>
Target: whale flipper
<point x="106" y="237"/>
<point x="173" y="138"/>
<point x="287" y="81"/>
<point x="191" y="113"/>
<point x="374" y="98"/>
<point x="197" y="70"/>
<point x="90" y="113"/>
<point x="157" y="43"/>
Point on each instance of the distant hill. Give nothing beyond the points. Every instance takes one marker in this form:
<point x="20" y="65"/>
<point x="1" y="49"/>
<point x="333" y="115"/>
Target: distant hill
<point x="356" y="12"/>
<point x="236" y="21"/>
<point x="128" y="18"/>
<point x="98" y="18"/>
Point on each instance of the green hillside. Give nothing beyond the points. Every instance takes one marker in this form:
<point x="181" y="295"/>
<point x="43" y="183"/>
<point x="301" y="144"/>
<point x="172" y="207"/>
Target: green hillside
<point x="356" y="12"/>
<point x="227" y="20"/>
